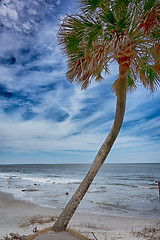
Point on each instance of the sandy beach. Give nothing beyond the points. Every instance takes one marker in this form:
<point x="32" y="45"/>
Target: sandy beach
<point x="23" y="217"/>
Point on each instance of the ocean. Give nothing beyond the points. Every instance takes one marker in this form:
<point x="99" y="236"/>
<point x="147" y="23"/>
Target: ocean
<point x="118" y="189"/>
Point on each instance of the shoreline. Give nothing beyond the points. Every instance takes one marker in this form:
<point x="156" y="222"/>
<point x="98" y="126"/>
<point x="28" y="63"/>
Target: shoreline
<point x="124" y="212"/>
<point x="118" y="191"/>
<point x="19" y="216"/>
<point x="116" y="213"/>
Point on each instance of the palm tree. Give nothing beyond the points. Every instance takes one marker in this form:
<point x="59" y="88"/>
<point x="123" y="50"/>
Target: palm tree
<point x="123" y="31"/>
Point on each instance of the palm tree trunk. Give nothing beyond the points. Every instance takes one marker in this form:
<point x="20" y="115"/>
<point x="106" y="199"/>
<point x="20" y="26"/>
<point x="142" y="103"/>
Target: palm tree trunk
<point x="72" y="205"/>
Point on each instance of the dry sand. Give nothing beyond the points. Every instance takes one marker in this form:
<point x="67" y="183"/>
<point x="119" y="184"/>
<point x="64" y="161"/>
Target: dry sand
<point x="22" y="217"/>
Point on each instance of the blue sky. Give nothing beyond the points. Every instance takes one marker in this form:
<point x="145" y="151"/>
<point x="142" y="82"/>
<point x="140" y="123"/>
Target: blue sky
<point x="46" y="119"/>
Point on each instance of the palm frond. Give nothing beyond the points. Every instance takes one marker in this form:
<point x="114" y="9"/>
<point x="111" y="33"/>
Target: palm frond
<point x="90" y="6"/>
<point x="151" y="16"/>
<point x="148" y="5"/>
<point x="126" y="31"/>
<point x="90" y="66"/>
<point x="147" y="74"/>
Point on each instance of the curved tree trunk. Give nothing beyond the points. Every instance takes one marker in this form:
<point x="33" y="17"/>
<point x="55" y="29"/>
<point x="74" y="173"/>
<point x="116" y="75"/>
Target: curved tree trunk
<point x="72" y="205"/>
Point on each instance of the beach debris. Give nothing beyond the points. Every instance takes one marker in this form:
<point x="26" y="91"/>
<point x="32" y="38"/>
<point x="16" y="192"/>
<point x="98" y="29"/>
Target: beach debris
<point x="15" y="236"/>
<point x="158" y="182"/>
<point x="151" y="232"/>
<point x="35" y="230"/>
<point x="6" y="237"/>
<point x="94" y="236"/>
<point x="92" y="226"/>
<point x="38" y="220"/>
<point x="29" y="190"/>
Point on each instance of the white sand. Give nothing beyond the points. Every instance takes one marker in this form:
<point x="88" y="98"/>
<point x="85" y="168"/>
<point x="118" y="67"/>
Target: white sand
<point x="14" y="213"/>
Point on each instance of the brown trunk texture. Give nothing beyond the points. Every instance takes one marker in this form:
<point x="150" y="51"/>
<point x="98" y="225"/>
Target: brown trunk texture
<point x="72" y="205"/>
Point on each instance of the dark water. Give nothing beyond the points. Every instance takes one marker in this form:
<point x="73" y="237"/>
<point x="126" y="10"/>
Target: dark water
<point x="127" y="189"/>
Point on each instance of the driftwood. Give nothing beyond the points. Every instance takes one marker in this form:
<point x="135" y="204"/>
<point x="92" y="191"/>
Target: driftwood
<point x="15" y="236"/>
<point x="94" y="236"/>
<point x="152" y="232"/>
<point x="38" y="220"/>
<point x="32" y="221"/>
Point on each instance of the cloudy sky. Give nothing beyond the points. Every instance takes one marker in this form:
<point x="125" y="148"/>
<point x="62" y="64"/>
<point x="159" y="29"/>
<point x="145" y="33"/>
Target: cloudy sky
<point x="46" y="119"/>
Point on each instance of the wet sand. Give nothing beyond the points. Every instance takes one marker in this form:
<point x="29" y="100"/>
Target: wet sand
<point x="23" y="217"/>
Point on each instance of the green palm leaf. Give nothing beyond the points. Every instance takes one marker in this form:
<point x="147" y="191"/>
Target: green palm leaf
<point x="121" y="30"/>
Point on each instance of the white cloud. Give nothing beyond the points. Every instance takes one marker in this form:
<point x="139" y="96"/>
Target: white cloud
<point x="41" y="133"/>
<point x="42" y="136"/>
<point x="23" y="16"/>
